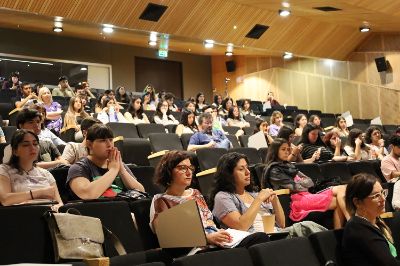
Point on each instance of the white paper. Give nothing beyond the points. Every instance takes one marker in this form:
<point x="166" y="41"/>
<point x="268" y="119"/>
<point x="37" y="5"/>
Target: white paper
<point x="349" y="118"/>
<point x="376" y="121"/>
<point x="257" y="141"/>
<point x="237" y="237"/>
<point x="266" y="105"/>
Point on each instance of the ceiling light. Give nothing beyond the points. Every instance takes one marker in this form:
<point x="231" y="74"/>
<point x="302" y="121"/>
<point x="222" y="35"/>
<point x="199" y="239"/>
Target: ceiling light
<point x="108" y="28"/>
<point x="228" y="53"/>
<point x="365" y="28"/>
<point x="153" y="38"/>
<point x="57" y="29"/>
<point x="287" y="55"/>
<point x="25" y="61"/>
<point x="209" y="43"/>
<point x="229" y="49"/>
<point x="83" y="68"/>
<point x="284" y="12"/>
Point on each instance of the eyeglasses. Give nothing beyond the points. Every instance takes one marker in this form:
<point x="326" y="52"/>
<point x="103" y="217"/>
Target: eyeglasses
<point x="376" y="196"/>
<point x="376" y="133"/>
<point x="184" y="168"/>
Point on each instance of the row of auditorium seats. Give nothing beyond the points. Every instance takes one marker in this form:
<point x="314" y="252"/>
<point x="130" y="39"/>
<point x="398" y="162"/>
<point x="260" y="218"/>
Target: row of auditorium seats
<point x="22" y="223"/>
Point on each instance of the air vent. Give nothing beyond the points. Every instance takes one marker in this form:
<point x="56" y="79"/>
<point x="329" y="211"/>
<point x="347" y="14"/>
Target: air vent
<point x="327" y="8"/>
<point x="257" y="31"/>
<point x="153" y="12"/>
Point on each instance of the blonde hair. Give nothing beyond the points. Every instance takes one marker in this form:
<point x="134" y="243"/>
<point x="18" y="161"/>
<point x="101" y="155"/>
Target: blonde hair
<point x="41" y="92"/>
<point x="275" y="115"/>
<point x="70" y="117"/>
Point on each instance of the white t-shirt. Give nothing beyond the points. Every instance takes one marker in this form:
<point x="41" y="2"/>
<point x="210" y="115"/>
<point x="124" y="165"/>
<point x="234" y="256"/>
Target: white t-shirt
<point x="25" y="181"/>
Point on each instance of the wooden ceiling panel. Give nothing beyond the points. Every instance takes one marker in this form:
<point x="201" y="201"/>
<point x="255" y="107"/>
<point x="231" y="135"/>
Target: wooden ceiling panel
<point x="307" y="32"/>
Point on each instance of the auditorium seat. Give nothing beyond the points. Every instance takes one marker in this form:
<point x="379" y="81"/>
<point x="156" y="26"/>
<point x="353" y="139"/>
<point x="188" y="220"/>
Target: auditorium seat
<point x="235" y="256"/>
<point x="231" y="130"/>
<point x="136" y="151"/>
<point x="311" y="170"/>
<point x="233" y="139"/>
<point x="331" y="170"/>
<point x="9" y="132"/>
<point x="327" y="246"/>
<point x="286" y="252"/>
<point x="145" y="175"/>
<point x="127" y="130"/>
<point x="25" y="236"/>
<point x="150" y="115"/>
<point x="363" y="167"/>
<point x="165" y="141"/>
<point x="244" y="140"/>
<point x="263" y="153"/>
<point x="205" y="181"/>
<point x="251" y="154"/>
<point x="170" y="128"/>
<point x="248" y="130"/>
<point x="208" y="157"/>
<point x="60" y="175"/>
<point x="145" y="129"/>
<point x="68" y="135"/>
<point x="185" y="138"/>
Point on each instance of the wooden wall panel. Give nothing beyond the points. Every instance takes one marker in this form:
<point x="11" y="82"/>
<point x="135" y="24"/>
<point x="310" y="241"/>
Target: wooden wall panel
<point x="307" y="65"/>
<point x="315" y="93"/>
<point x="299" y="88"/>
<point x="370" y="101"/>
<point x="350" y="98"/>
<point x="389" y="100"/>
<point x="340" y="69"/>
<point x="284" y="93"/>
<point x="358" y="66"/>
<point x="332" y="96"/>
<point x="323" y="67"/>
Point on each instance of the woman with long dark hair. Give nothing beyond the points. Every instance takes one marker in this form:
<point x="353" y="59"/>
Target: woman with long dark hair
<point x="200" y="102"/>
<point x="135" y="113"/>
<point x="187" y="124"/>
<point x="163" y="115"/>
<point x="374" y="140"/>
<point x="367" y="240"/>
<point x="280" y="173"/>
<point x="121" y="95"/>
<point x="355" y="147"/>
<point x="20" y="180"/>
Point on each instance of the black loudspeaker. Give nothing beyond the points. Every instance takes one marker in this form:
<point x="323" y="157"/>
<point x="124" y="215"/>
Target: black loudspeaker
<point x="230" y="66"/>
<point x="381" y="64"/>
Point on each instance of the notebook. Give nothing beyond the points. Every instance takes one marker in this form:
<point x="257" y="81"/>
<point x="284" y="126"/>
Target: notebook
<point x="181" y="226"/>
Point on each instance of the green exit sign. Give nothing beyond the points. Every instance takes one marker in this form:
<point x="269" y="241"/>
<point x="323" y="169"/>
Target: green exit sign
<point x="162" y="53"/>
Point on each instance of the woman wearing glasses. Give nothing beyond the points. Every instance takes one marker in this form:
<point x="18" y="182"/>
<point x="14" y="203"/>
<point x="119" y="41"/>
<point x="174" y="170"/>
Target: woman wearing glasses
<point x="367" y="240"/>
<point x="174" y="172"/>
<point x="374" y="140"/>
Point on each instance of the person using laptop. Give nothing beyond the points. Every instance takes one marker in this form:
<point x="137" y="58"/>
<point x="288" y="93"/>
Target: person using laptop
<point x="174" y="172"/>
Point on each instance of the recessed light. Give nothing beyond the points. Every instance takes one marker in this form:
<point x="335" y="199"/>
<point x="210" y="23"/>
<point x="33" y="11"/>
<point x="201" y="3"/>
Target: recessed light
<point x="209" y="43"/>
<point x="284" y="12"/>
<point x="57" y="29"/>
<point x="108" y="28"/>
<point x="234" y="27"/>
<point x="287" y="55"/>
<point x="365" y="28"/>
<point x="228" y="53"/>
<point x="83" y="68"/>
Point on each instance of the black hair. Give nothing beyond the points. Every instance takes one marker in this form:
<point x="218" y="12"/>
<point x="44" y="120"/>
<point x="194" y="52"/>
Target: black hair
<point x="163" y="172"/>
<point x="185" y="121"/>
<point x="106" y="101"/>
<point x="121" y="98"/>
<point x="169" y="96"/>
<point x="158" y="109"/>
<point x="99" y="131"/>
<point x="273" y="150"/>
<point x="197" y="97"/>
<point x="368" y="133"/>
<point x="16" y="139"/>
<point x="297" y="119"/>
<point x="307" y="129"/>
<point x="88" y="122"/>
<point x="216" y="96"/>
<point x="62" y="78"/>
<point x="231" y="115"/>
<point x="225" y="101"/>
<point x="131" y="109"/>
<point x="224" y="179"/>
<point x="395" y="140"/>
<point x="338" y="120"/>
<point x="26" y="115"/>
<point x="353" y="135"/>
<point x="285" y="132"/>
<point x="244" y="101"/>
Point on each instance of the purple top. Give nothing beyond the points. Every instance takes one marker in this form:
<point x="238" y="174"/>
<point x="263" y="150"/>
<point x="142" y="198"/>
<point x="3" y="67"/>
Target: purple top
<point x="54" y="125"/>
<point x="274" y="129"/>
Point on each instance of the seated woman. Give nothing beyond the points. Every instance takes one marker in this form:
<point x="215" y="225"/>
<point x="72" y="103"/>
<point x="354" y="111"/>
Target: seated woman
<point x="333" y="142"/>
<point x="163" y="115"/>
<point x="288" y="134"/>
<point x="227" y="103"/>
<point x="316" y="121"/>
<point x="53" y="119"/>
<point x="276" y="123"/>
<point x="74" y="115"/>
<point x="191" y="106"/>
<point x="174" y="172"/>
<point x="246" y="108"/>
<point x="238" y="204"/>
<point x="234" y="118"/>
<point x="135" y="114"/>
<point x="188" y="123"/>
<point x="341" y="127"/>
<point x="147" y="103"/>
<point x="281" y="174"/>
<point x="217" y="100"/>
<point x="151" y="100"/>
<point x="110" y="112"/>
<point x="263" y="126"/>
<point x="99" y="104"/>
<point x="200" y="103"/>
<point x="102" y="173"/>
<point x="312" y="142"/>
<point x="121" y="96"/>
<point x="20" y="180"/>
<point x="374" y="140"/>
<point x="300" y="122"/>
<point x="367" y="240"/>
<point x="355" y="147"/>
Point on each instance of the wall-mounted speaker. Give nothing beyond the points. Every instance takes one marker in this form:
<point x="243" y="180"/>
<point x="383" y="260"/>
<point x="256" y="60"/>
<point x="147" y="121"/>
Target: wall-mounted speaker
<point x="381" y="64"/>
<point x="230" y="66"/>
